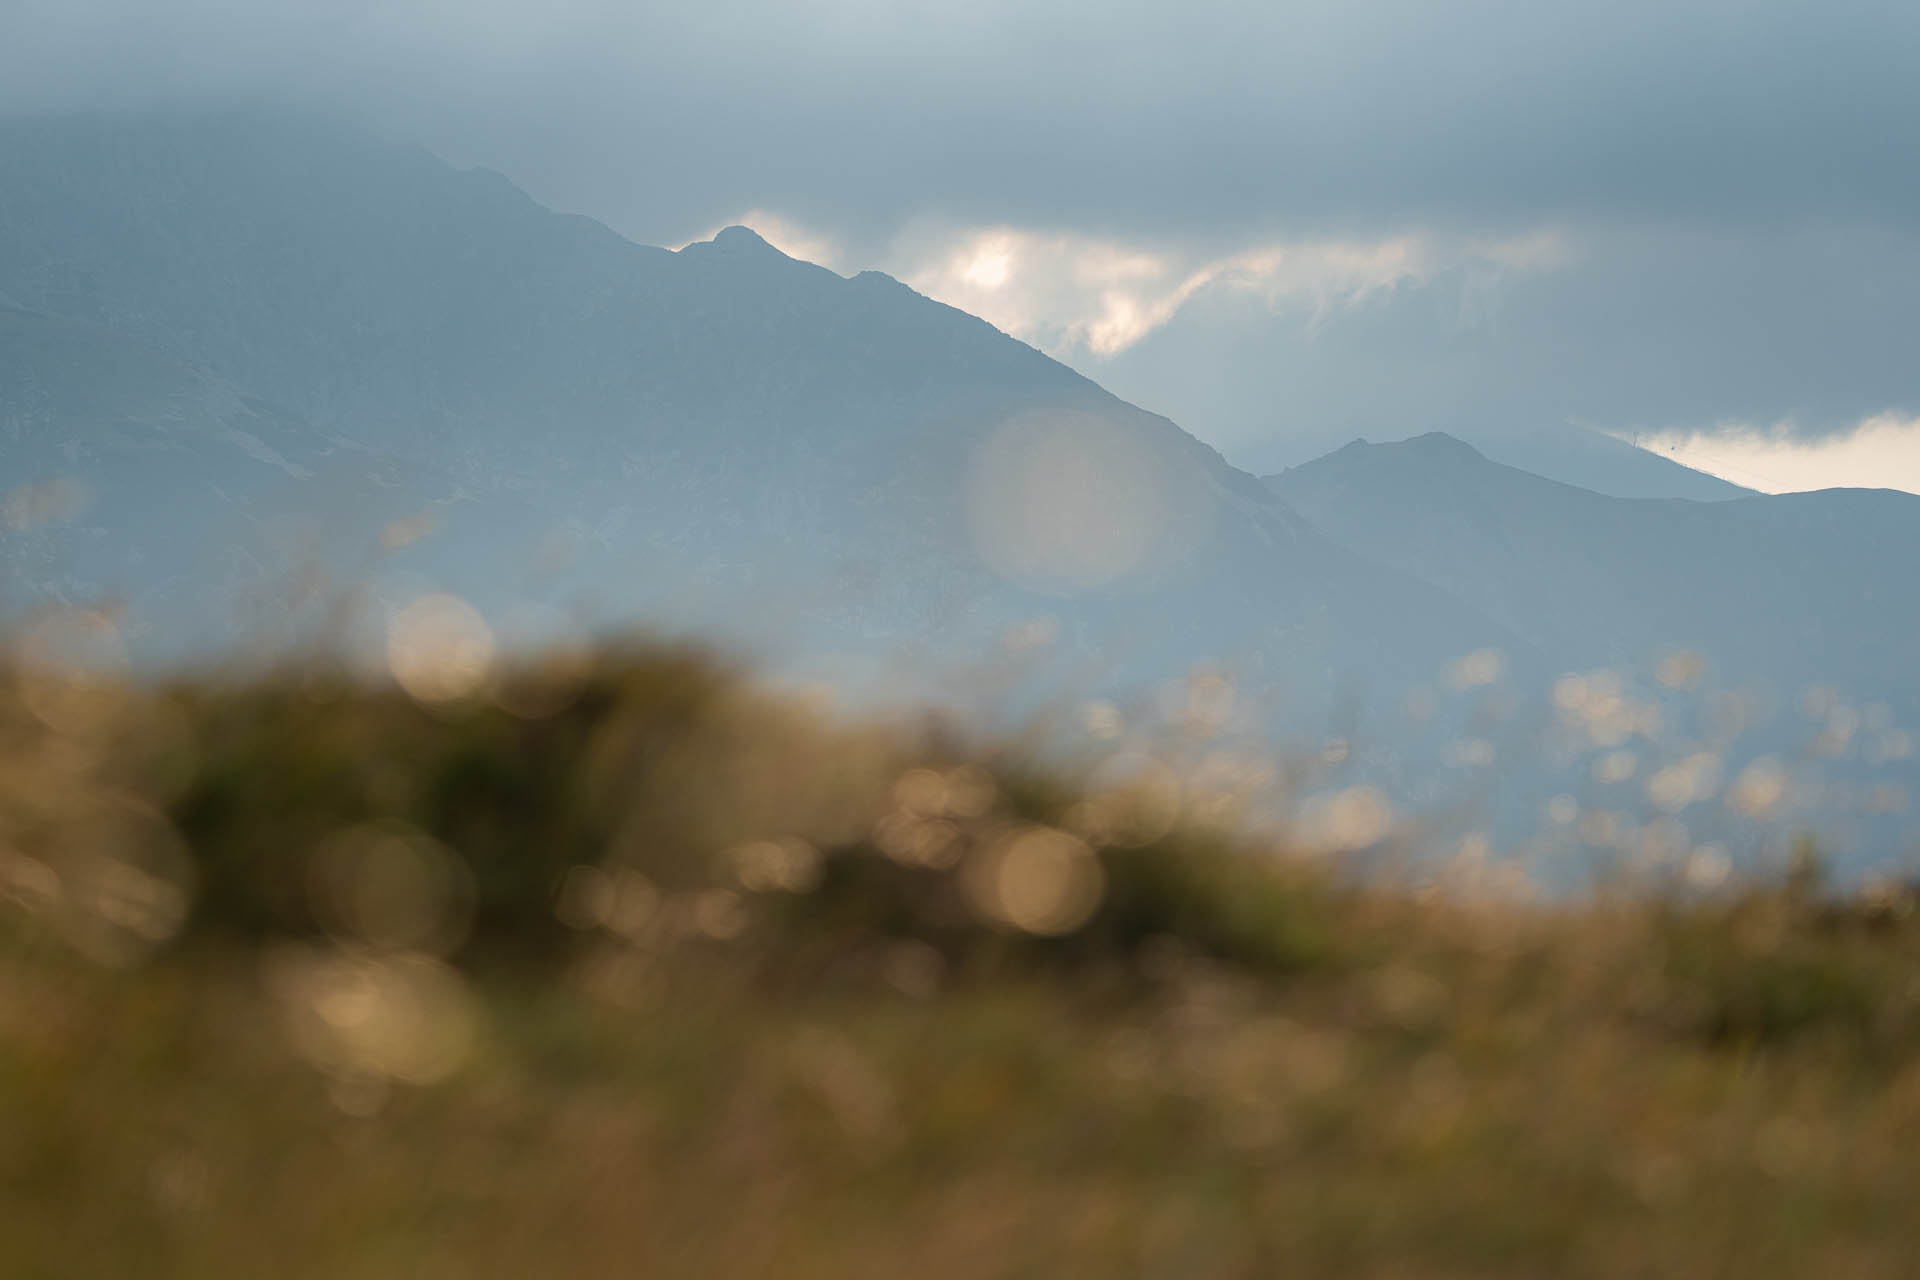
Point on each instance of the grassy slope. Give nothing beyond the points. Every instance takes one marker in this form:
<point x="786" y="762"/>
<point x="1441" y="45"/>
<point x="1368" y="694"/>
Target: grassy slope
<point x="1233" y="1066"/>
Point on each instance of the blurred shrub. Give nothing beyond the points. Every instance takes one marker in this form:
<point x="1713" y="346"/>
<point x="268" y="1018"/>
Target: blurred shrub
<point x="593" y="967"/>
<point x="650" y="799"/>
<point x="656" y="797"/>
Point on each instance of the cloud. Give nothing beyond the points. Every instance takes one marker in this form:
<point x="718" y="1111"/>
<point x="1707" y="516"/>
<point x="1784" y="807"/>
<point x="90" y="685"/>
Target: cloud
<point x="1223" y="118"/>
<point x="1639" y="331"/>
<point x="1882" y="451"/>
<point x="1076" y="295"/>
<point x="1060" y="291"/>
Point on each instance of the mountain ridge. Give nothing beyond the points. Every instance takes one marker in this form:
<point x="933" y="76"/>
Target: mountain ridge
<point x="721" y="437"/>
<point x="290" y="377"/>
<point x="1582" y="573"/>
<point x="1494" y="451"/>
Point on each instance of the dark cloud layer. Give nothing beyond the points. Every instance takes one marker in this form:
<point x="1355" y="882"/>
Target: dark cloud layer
<point x="1149" y="119"/>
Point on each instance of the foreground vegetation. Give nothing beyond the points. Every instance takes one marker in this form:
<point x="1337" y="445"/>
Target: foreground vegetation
<point x="623" y="967"/>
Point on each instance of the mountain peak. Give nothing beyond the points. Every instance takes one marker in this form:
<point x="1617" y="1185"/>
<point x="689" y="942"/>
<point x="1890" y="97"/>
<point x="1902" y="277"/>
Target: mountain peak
<point x="1432" y="447"/>
<point x="738" y="242"/>
<point x="1438" y="444"/>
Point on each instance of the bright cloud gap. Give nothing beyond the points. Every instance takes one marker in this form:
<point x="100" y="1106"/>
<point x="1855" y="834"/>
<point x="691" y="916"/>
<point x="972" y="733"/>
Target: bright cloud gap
<point x="1073" y="294"/>
<point x="1881" y="452"/>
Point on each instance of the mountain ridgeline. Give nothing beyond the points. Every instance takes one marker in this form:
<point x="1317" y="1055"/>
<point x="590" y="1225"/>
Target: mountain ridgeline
<point x="221" y="312"/>
<point x="251" y="365"/>
<point x="1788" y="589"/>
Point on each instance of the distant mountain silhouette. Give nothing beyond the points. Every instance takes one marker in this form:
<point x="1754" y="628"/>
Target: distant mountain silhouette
<point x="259" y="342"/>
<point x="249" y="362"/>
<point x="1790" y="589"/>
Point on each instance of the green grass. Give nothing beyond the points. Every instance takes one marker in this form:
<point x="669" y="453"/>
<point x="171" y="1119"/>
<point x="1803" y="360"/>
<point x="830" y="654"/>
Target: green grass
<point x="677" y="978"/>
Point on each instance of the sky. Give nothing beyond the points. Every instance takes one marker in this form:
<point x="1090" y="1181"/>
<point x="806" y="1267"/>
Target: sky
<point x="1282" y="224"/>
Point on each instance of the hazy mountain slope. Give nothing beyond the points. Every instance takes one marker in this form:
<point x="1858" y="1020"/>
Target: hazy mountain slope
<point x="717" y="437"/>
<point x="1789" y="589"/>
<point x="1592" y="460"/>
<point x="134" y="478"/>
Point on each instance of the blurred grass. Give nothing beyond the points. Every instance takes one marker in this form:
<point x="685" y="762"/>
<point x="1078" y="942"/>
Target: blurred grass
<point x="638" y="969"/>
